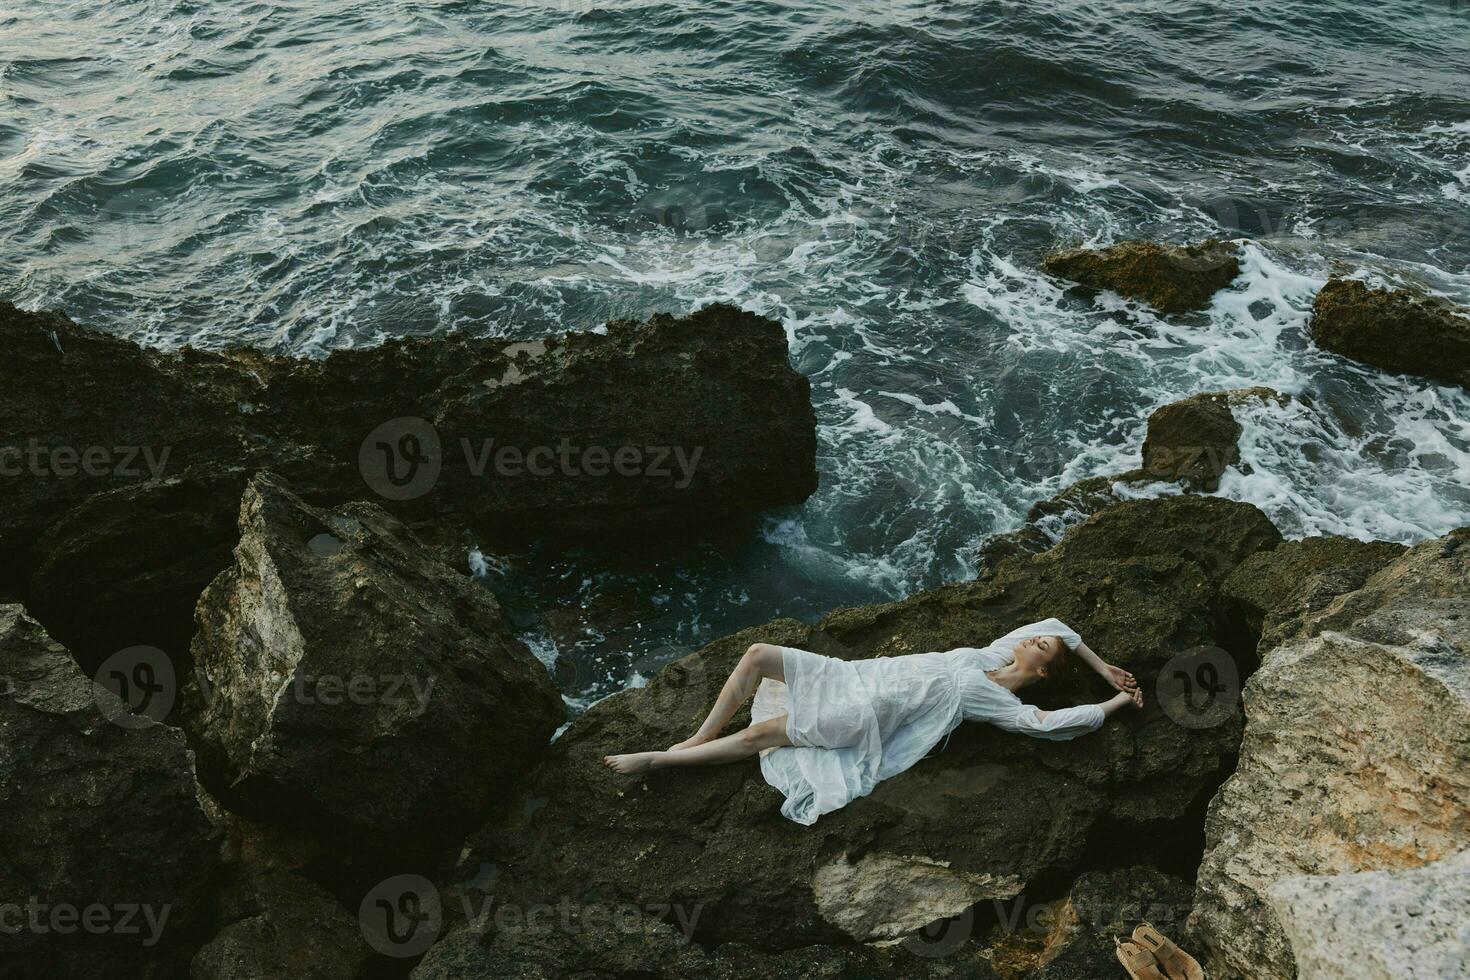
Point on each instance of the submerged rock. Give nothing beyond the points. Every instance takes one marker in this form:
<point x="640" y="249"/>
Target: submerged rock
<point x="1393" y="329"/>
<point x="1356" y="757"/>
<point x="1170" y="278"/>
<point x="983" y="820"/>
<point x="1195" y="440"/>
<point x="350" y="685"/>
<point x="644" y="428"/>
<point x="107" y="855"/>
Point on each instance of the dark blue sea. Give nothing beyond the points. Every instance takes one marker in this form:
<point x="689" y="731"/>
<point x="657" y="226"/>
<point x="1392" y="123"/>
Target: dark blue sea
<point x="881" y="177"/>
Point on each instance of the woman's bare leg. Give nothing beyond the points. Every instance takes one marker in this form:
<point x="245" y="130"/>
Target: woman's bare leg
<point x="743" y="744"/>
<point x="761" y="660"/>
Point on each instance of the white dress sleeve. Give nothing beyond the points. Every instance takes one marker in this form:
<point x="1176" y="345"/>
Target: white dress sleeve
<point x="1047" y="627"/>
<point x="1058" y="726"/>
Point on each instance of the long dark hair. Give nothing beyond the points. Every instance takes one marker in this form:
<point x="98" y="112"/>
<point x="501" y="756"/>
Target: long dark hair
<point x="1066" y="683"/>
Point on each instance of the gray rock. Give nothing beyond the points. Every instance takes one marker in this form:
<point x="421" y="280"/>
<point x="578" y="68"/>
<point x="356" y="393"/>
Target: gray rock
<point x="980" y="821"/>
<point x="1379" y="925"/>
<point x="281" y="925"/>
<point x="134" y="458"/>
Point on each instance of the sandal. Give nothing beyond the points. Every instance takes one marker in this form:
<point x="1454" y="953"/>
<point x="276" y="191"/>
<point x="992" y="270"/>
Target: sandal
<point x="1178" y="964"/>
<point x="1139" y="962"/>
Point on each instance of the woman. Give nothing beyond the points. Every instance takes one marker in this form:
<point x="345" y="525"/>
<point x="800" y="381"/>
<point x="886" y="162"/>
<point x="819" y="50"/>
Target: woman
<point x="830" y="730"/>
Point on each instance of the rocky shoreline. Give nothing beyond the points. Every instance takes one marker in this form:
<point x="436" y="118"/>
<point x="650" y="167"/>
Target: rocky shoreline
<point x="316" y="749"/>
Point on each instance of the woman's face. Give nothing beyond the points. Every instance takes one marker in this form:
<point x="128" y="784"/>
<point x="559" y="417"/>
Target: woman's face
<point x="1037" y="653"/>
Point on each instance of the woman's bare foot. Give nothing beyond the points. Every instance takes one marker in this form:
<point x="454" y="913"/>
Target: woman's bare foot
<point x="630" y="764"/>
<point x="688" y="743"/>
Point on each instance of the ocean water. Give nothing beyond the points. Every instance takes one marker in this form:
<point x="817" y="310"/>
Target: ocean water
<point x="882" y="177"/>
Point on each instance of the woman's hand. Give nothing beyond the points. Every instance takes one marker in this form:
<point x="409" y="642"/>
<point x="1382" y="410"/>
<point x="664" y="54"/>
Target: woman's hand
<point x="1123" y="699"/>
<point x="1120" y="679"/>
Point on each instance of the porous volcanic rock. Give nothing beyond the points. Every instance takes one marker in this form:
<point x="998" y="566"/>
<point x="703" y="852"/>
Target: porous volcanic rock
<point x="982" y="820"/>
<point x="348" y="683"/>
<point x="107" y="854"/>
<point x="1356" y="755"/>
<point x="1170" y="278"/>
<point x="1393" y="329"/>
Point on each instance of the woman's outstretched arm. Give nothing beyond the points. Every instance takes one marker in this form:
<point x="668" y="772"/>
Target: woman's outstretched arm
<point x="1119" y="678"/>
<point x="1066" y="723"/>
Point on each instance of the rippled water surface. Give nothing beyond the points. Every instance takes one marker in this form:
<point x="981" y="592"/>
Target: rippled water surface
<point x="881" y="177"/>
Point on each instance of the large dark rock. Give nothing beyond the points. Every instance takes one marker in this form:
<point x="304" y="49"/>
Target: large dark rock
<point x="83" y="412"/>
<point x="128" y="462"/>
<point x="983" y="820"/>
<point x="1393" y="329"/>
<point x="280" y="924"/>
<point x="351" y="685"/>
<point x="1170" y="278"/>
<point x="1192" y="441"/>
<point x="568" y="943"/>
<point x="104" y="838"/>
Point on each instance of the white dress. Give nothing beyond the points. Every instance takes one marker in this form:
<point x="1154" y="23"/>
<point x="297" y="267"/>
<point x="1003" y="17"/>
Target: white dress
<point x="855" y="723"/>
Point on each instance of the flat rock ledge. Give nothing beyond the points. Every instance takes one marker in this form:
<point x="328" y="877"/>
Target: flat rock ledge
<point x="991" y="818"/>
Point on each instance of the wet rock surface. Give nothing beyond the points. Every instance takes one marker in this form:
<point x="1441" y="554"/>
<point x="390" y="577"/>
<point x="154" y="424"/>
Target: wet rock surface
<point x="1356" y="756"/>
<point x="348" y="684"/>
<point x="983" y="820"/>
<point x="1170" y="278"/>
<point x="108" y="859"/>
<point x="1393" y="329"/>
